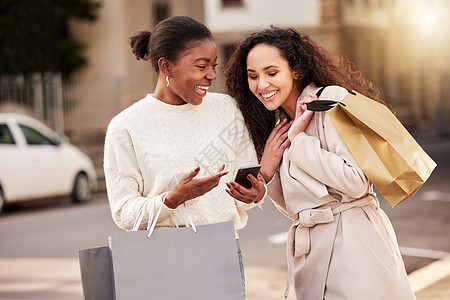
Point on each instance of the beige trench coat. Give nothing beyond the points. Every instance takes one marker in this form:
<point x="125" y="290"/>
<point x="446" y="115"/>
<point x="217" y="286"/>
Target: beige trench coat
<point x="341" y="244"/>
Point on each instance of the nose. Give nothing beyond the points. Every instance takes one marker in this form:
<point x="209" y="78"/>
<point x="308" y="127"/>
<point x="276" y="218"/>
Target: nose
<point x="262" y="83"/>
<point x="211" y="74"/>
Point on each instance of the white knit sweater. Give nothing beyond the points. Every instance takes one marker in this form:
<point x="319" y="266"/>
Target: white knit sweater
<point x="151" y="144"/>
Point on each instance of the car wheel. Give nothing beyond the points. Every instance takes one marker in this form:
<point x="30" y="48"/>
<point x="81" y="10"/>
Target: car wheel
<point x="82" y="190"/>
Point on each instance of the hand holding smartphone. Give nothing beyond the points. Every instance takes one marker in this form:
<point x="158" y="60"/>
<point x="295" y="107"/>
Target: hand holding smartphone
<point x="241" y="176"/>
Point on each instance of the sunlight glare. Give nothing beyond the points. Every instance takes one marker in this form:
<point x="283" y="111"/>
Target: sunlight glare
<point x="427" y="22"/>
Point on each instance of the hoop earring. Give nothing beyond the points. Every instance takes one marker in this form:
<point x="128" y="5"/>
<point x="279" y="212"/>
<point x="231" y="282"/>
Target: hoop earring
<point x="167" y="81"/>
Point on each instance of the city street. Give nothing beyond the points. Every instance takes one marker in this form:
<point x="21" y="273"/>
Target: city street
<point x="56" y="229"/>
<point x="142" y="92"/>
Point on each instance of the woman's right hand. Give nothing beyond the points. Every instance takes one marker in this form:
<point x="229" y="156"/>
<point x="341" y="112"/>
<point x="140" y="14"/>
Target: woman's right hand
<point x="302" y="117"/>
<point x="277" y="142"/>
<point x="188" y="187"/>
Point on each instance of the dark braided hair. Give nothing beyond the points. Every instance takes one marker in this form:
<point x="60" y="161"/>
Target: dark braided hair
<point x="170" y="37"/>
<point x="312" y="62"/>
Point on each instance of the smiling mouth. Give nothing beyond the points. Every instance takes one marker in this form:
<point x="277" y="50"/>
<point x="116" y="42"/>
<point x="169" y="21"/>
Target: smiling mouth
<point x="201" y="89"/>
<point x="267" y="96"/>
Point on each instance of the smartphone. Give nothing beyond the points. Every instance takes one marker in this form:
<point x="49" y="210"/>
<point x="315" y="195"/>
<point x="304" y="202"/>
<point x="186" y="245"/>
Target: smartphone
<point x="241" y="175"/>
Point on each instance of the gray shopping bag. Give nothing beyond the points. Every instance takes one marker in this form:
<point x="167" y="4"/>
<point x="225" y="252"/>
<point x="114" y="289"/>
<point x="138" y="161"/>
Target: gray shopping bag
<point x="96" y="273"/>
<point x="177" y="263"/>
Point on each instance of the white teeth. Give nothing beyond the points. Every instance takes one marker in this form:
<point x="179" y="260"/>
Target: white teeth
<point x="269" y="94"/>
<point x="203" y="87"/>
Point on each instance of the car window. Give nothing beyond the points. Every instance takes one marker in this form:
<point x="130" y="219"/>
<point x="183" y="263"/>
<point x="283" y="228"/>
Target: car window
<point x="34" y="137"/>
<point x="5" y="135"/>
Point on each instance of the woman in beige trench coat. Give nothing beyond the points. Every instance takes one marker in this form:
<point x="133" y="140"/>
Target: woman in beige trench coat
<point x="341" y="245"/>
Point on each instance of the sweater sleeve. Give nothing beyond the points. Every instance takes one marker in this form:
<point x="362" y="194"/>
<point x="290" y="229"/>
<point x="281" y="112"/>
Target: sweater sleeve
<point x="124" y="183"/>
<point x="337" y="170"/>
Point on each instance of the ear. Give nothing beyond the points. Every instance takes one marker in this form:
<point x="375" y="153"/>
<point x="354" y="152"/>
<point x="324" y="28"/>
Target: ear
<point x="296" y="75"/>
<point x="164" y="66"/>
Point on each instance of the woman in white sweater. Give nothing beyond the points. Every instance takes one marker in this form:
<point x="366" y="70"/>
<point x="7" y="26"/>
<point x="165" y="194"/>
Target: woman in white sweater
<point x="169" y="149"/>
<point x="341" y="245"/>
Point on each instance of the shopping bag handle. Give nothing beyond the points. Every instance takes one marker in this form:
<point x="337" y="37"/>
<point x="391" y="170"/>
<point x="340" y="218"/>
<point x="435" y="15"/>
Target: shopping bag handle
<point x="320" y="91"/>
<point x="322" y="105"/>
<point x="155" y="220"/>
<point x="152" y="224"/>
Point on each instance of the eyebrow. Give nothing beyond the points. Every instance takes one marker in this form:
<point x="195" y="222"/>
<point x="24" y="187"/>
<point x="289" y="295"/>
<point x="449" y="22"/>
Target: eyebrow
<point x="266" y="68"/>
<point x="205" y="59"/>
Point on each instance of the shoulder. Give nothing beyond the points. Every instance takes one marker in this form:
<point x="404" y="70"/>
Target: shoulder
<point x="334" y="92"/>
<point x="223" y="110"/>
<point x="121" y="121"/>
<point x="220" y="101"/>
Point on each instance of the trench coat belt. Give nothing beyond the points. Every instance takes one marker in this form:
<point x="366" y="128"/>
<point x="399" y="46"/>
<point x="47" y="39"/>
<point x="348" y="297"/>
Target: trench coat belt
<point x="299" y="243"/>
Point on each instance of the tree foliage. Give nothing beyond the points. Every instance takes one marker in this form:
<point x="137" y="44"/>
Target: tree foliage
<point x="34" y="36"/>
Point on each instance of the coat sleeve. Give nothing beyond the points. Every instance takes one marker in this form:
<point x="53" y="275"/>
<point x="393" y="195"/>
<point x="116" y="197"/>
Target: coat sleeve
<point x="332" y="165"/>
<point x="275" y="193"/>
<point x="124" y="183"/>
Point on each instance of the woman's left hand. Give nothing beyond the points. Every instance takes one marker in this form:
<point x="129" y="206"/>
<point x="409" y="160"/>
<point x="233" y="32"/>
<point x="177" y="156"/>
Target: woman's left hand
<point x="302" y="117"/>
<point x="251" y="195"/>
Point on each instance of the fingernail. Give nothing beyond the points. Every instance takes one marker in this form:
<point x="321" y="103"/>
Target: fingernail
<point x="233" y="184"/>
<point x="196" y="169"/>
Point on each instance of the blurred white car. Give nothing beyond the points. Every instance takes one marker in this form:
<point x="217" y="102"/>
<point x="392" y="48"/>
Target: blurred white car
<point x="36" y="162"/>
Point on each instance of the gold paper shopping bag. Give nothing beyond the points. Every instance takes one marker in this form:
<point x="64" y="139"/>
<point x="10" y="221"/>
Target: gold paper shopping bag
<point x="389" y="156"/>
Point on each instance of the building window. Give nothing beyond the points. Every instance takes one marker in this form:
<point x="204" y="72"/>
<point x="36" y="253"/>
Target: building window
<point x="232" y="3"/>
<point x="228" y="49"/>
<point x="161" y="11"/>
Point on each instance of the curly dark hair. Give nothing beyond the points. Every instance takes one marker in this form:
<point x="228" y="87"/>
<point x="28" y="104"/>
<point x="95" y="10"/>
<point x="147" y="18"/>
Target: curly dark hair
<point x="313" y="63"/>
<point x="170" y="37"/>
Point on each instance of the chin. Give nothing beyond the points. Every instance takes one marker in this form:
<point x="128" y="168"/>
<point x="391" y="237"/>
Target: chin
<point x="271" y="106"/>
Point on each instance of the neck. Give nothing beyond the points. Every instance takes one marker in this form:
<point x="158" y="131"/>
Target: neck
<point x="164" y="93"/>
<point x="290" y="105"/>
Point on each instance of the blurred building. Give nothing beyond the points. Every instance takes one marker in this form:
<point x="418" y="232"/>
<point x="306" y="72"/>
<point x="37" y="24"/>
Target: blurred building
<point x="402" y="46"/>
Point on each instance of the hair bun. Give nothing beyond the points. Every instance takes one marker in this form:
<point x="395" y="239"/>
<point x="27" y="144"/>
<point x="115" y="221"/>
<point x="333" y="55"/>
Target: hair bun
<point x="139" y="44"/>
